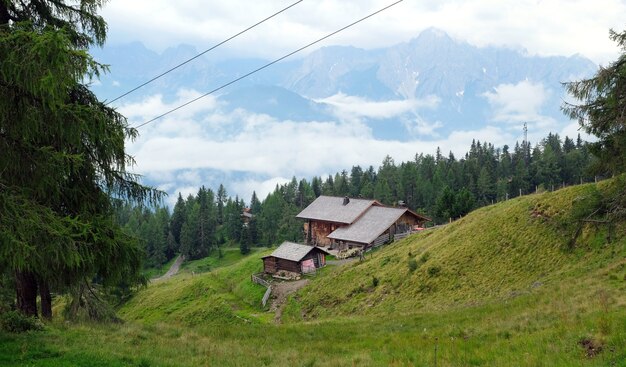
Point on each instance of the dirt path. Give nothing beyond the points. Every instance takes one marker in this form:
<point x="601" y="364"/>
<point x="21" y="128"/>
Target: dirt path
<point x="172" y="270"/>
<point x="280" y="291"/>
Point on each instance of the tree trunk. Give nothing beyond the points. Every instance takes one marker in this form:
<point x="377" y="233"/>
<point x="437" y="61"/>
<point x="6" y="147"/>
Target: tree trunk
<point x="4" y="14"/>
<point x="46" y="300"/>
<point x="26" y="292"/>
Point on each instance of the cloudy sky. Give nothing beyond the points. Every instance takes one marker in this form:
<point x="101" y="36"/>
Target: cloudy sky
<point x="546" y="27"/>
<point x="192" y="147"/>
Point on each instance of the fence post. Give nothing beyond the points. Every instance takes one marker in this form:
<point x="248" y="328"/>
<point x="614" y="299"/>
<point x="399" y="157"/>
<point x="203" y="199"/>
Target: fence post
<point x="436" y="342"/>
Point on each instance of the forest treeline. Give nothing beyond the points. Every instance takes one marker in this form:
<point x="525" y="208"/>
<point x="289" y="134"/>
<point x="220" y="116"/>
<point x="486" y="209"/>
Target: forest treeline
<point x="441" y="187"/>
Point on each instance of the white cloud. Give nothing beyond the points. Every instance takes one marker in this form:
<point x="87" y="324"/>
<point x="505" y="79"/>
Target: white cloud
<point x="353" y="108"/>
<point x="419" y="127"/>
<point x="245" y="188"/>
<point x="516" y="102"/>
<point x="346" y="106"/>
<point x="271" y="151"/>
<point x="555" y="27"/>
<point x="573" y="129"/>
<point x="521" y="102"/>
<point x="184" y="191"/>
<point x="153" y="106"/>
<point x="189" y="176"/>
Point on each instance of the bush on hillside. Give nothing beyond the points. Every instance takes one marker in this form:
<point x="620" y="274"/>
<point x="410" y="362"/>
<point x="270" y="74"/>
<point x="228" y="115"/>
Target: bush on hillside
<point x="16" y="322"/>
<point x="434" y="270"/>
<point x="375" y="281"/>
<point x="412" y="265"/>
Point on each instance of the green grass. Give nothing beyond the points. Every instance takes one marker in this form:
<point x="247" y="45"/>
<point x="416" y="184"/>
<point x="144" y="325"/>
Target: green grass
<point x="223" y="295"/>
<point x="230" y="255"/>
<point x="493" y="255"/>
<point x="498" y="288"/>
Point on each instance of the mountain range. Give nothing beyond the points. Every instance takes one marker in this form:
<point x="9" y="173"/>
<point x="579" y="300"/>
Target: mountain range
<point x="338" y="104"/>
<point x="449" y="80"/>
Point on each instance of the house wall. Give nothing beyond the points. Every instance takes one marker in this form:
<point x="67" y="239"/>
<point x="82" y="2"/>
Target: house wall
<point x="319" y="230"/>
<point x="269" y="265"/>
<point x="406" y="221"/>
<point x="319" y="258"/>
<point x="273" y="265"/>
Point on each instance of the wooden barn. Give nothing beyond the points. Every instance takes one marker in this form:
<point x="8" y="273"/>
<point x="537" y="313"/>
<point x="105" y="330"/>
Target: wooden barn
<point x="327" y="213"/>
<point x="376" y="226"/>
<point x="341" y="223"/>
<point x="294" y="258"/>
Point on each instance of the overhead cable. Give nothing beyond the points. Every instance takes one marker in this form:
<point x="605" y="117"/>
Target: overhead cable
<point x="204" y="52"/>
<point x="266" y="65"/>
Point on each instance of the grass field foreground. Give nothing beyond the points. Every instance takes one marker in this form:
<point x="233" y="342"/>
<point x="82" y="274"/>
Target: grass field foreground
<point x="500" y="287"/>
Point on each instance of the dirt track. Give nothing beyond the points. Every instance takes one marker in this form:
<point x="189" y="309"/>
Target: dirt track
<point x="280" y="291"/>
<point x="172" y="270"/>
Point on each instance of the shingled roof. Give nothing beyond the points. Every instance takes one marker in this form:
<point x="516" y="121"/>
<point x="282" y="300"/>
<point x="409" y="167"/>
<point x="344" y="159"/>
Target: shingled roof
<point x="371" y="225"/>
<point x="332" y="209"/>
<point x="292" y="251"/>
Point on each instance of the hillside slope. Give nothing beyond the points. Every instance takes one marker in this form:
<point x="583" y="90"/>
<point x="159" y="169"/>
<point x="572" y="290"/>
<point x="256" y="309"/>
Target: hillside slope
<point x="223" y="295"/>
<point x="493" y="255"/>
<point x="501" y="287"/>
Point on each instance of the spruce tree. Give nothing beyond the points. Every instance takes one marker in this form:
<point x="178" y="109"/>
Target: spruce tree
<point x="600" y="110"/>
<point x="62" y="156"/>
<point x="178" y="217"/>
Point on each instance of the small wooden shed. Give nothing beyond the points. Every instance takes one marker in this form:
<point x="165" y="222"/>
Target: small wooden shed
<point x="295" y="258"/>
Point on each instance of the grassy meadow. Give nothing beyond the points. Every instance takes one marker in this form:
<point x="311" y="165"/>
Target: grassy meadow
<point x="503" y="286"/>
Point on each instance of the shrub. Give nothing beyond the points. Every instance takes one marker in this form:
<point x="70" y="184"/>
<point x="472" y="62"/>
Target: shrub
<point x="375" y="281"/>
<point x="16" y="322"/>
<point x="434" y="271"/>
<point x="412" y="265"/>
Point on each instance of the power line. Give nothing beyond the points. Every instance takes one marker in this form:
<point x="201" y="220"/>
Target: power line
<point x="204" y="52"/>
<point x="267" y="65"/>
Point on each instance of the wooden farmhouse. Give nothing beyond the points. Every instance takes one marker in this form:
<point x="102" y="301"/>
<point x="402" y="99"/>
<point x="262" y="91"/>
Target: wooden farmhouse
<point x="294" y="258"/>
<point x="343" y="223"/>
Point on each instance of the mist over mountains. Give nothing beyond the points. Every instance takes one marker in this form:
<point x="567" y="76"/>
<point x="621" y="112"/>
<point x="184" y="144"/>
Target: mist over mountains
<point x="423" y="90"/>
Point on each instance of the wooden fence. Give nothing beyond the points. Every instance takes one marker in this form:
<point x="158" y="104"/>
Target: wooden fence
<point x="258" y="280"/>
<point x="266" y="296"/>
<point x="399" y="236"/>
<point x="381" y="240"/>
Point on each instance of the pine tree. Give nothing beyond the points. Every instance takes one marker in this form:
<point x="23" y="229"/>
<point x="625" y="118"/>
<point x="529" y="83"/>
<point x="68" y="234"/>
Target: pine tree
<point x="189" y="244"/>
<point x="356" y="180"/>
<point x="316" y="185"/>
<point x="255" y="204"/>
<point x="221" y="198"/>
<point x="444" y="208"/>
<point x="57" y="221"/>
<point x="178" y="217"/>
<point x="328" y="187"/>
<point x="601" y="110"/>
<point x="207" y="220"/>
